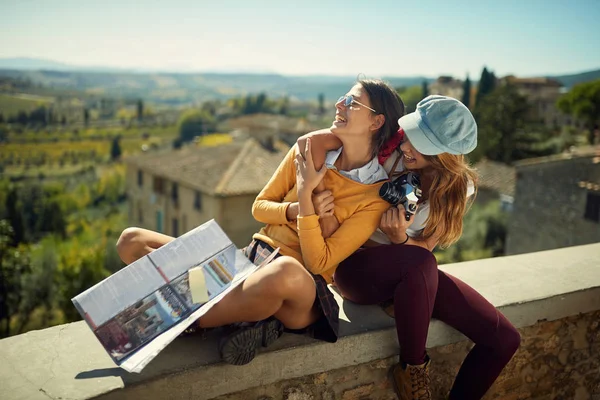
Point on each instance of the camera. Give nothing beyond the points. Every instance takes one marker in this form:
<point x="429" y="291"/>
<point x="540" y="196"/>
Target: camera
<point x="405" y="190"/>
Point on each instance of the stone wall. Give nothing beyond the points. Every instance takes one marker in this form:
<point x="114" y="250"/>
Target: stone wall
<point x="557" y="360"/>
<point x="549" y="205"/>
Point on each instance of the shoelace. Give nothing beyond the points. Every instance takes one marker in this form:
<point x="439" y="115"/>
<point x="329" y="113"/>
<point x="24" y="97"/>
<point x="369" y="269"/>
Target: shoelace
<point x="421" y="381"/>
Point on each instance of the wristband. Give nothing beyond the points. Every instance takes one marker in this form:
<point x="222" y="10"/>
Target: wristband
<point x="407" y="237"/>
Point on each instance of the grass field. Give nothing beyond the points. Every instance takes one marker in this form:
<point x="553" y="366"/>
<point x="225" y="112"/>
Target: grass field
<point x="11" y="105"/>
<point x="59" y="133"/>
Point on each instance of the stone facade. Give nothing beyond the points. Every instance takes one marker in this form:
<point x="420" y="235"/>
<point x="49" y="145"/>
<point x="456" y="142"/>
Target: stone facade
<point x="542" y="95"/>
<point x="552" y="198"/>
<point x="160" y="212"/>
<point x="447" y="86"/>
<point x="557" y="360"/>
<point x="174" y="192"/>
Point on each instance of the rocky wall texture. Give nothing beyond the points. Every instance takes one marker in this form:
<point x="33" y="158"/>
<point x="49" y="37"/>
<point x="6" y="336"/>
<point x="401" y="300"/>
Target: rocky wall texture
<point x="557" y="360"/>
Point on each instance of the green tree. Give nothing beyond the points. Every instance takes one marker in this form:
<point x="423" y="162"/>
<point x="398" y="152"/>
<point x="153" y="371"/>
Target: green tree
<point x="583" y="101"/>
<point x="80" y="267"/>
<point x="3" y="134"/>
<point x="115" y="148"/>
<point x="487" y="83"/>
<point x="140" y="109"/>
<point x="484" y="235"/>
<point x="15" y="217"/>
<point x="14" y="264"/>
<point x="86" y="116"/>
<point x="284" y="106"/>
<point x="410" y="97"/>
<point x="321" y="104"/>
<point x="195" y="123"/>
<point x="39" y="284"/>
<point x="424" y="90"/>
<point x="505" y="134"/>
<point x="466" y="97"/>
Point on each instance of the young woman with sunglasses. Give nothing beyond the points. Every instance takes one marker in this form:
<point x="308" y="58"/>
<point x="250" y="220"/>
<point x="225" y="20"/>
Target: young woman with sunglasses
<point x="291" y="291"/>
<point x="397" y="263"/>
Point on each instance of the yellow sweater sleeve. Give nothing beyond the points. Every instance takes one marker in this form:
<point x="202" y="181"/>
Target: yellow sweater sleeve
<point x="269" y="207"/>
<point x="320" y="254"/>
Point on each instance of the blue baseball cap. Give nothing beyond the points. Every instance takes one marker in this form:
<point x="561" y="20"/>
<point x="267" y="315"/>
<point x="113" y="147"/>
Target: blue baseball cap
<point x="440" y="124"/>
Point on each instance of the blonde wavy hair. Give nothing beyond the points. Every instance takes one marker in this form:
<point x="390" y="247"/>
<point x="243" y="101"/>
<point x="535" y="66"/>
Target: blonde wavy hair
<point x="448" y="197"/>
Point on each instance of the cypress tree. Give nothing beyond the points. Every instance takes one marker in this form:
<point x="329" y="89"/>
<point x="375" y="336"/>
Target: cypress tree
<point x="487" y="83"/>
<point x="466" y="97"/>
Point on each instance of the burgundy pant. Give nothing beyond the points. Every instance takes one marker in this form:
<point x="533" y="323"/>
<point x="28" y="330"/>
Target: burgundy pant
<point x="409" y="275"/>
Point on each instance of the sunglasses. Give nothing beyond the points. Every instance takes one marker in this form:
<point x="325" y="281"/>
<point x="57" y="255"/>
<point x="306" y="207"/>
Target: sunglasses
<point x="349" y="100"/>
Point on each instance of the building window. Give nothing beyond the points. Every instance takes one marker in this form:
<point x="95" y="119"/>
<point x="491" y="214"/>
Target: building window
<point x="159" y="221"/>
<point x="140" y="213"/>
<point x="175" y="230"/>
<point x="158" y="185"/>
<point x="175" y="193"/>
<point x="197" y="201"/>
<point x="592" y="207"/>
<point x="140" y="178"/>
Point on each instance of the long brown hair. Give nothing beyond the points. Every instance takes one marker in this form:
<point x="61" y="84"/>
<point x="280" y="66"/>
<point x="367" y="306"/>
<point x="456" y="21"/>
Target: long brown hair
<point x="448" y="197"/>
<point x="386" y="101"/>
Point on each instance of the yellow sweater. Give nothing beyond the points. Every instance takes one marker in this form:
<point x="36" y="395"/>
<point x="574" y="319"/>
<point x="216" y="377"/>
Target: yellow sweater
<point x="358" y="209"/>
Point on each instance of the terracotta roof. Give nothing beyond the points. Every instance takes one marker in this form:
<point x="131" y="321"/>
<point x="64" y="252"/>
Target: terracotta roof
<point x="533" y="81"/>
<point x="496" y="176"/>
<point x="230" y="169"/>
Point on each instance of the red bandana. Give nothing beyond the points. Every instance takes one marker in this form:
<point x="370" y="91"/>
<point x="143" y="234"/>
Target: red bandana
<point x="389" y="146"/>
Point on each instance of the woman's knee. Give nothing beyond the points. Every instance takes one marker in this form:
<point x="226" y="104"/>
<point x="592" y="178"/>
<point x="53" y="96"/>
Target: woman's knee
<point x="421" y="262"/>
<point x="287" y="276"/>
<point x="130" y="244"/>
<point x="509" y="340"/>
<point x="127" y="238"/>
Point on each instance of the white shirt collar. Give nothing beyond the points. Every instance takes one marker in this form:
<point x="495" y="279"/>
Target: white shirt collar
<point x="369" y="173"/>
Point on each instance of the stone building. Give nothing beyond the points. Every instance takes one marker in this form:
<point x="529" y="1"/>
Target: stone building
<point x="542" y="94"/>
<point x="176" y="191"/>
<point x="557" y="202"/>
<point x="447" y="86"/>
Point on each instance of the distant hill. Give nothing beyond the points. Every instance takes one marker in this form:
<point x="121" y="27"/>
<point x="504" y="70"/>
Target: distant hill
<point x="37" y="64"/>
<point x="574" y="79"/>
<point x="190" y="88"/>
<point x="180" y="89"/>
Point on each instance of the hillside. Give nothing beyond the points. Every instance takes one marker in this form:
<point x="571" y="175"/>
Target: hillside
<point x="180" y="89"/>
<point x="188" y="88"/>
<point x="572" y="80"/>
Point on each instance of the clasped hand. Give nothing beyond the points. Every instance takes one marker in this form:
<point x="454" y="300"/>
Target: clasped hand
<point x="394" y="224"/>
<point x="307" y="177"/>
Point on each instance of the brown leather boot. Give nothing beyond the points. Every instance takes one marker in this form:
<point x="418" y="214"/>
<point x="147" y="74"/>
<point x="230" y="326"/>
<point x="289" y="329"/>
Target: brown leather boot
<point x="412" y="381"/>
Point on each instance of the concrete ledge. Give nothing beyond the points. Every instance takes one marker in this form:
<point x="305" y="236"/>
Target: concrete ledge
<point x="67" y="362"/>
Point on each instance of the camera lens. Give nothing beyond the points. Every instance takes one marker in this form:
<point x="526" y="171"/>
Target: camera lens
<point x="389" y="193"/>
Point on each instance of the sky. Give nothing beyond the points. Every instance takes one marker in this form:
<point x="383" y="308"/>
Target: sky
<point x="310" y="37"/>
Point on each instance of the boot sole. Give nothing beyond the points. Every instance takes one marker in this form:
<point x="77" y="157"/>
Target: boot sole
<point x="241" y="347"/>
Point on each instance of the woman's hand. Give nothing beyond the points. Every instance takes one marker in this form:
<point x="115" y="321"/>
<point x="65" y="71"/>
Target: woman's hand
<point x="394" y="224"/>
<point x="323" y="202"/>
<point x="322" y="141"/>
<point x="307" y="177"/>
<point x="324" y="207"/>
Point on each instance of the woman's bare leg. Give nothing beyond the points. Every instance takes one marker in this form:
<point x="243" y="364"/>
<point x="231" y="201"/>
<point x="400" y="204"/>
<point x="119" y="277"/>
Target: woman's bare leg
<point x="135" y="243"/>
<point x="283" y="289"/>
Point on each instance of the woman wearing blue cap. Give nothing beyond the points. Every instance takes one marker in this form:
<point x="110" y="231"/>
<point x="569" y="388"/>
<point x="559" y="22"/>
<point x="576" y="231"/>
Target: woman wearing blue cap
<point x="397" y="263"/>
